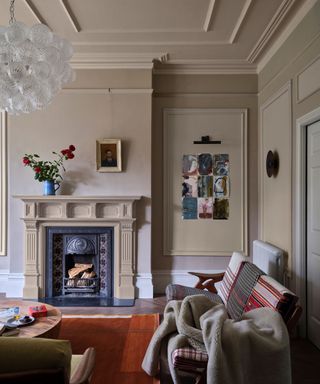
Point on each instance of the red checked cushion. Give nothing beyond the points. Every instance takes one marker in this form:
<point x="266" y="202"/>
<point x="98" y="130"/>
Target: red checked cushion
<point x="269" y="293"/>
<point x="230" y="275"/>
<point x="189" y="359"/>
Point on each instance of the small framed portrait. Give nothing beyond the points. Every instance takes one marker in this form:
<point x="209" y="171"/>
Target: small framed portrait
<point x="109" y="155"/>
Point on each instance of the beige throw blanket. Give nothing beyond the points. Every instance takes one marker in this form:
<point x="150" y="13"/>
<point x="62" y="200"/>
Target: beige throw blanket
<point x="254" y="350"/>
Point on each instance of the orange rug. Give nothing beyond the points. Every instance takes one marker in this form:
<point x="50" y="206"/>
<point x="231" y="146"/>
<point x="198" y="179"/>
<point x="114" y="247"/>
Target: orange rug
<point x="120" y="345"/>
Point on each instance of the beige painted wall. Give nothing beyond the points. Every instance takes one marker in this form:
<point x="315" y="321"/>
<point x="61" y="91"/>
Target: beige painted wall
<point x="275" y="135"/>
<point x="200" y="91"/>
<point x="80" y="117"/>
<point x="300" y="50"/>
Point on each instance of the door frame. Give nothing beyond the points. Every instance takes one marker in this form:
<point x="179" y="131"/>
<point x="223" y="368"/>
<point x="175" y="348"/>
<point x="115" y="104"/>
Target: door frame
<point x="299" y="210"/>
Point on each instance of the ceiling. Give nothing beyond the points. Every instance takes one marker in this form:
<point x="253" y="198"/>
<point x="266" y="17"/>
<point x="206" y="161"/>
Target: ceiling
<point x="213" y="35"/>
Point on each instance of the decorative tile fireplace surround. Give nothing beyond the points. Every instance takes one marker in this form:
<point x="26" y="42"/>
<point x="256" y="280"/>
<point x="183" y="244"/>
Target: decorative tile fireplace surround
<point x="42" y="213"/>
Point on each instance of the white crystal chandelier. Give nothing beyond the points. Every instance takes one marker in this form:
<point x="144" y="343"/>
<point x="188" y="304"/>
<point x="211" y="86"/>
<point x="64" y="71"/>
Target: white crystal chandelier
<point x="33" y="66"/>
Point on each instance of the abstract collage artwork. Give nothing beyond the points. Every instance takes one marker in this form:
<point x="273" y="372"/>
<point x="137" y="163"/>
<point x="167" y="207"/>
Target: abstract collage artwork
<point x="206" y="186"/>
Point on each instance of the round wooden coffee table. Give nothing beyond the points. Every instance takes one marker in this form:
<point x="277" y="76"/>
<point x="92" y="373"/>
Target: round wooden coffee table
<point x="43" y="326"/>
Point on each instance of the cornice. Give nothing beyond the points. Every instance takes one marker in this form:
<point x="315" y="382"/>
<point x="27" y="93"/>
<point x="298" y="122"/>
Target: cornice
<point x="161" y="64"/>
<point x="116" y="61"/>
<point x="205" y="67"/>
<point x="291" y="26"/>
<point x="271" y="28"/>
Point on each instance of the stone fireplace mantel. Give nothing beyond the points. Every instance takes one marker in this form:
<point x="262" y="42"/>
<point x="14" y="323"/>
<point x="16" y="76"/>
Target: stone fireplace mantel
<point x="41" y="212"/>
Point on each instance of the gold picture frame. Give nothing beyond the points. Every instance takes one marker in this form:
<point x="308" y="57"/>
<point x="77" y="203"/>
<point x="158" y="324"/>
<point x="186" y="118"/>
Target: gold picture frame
<point x="108" y="153"/>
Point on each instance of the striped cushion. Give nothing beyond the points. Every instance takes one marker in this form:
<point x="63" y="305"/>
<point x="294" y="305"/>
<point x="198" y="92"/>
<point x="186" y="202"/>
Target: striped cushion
<point x="189" y="359"/>
<point x="242" y="288"/>
<point x="269" y="293"/>
<point x="230" y="276"/>
<point x="179" y="292"/>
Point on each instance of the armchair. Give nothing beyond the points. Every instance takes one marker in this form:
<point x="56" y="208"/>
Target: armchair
<point x="24" y="360"/>
<point x="242" y="288"/>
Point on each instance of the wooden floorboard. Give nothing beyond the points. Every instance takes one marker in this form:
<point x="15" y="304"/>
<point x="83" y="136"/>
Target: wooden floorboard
<point x="305" y="360"/>
<point x="142" y="306"/>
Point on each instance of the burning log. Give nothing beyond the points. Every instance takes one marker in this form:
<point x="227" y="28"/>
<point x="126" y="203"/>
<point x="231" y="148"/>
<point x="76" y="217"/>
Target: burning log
<point x="80" y="276"/>
<point x="78" y="268"/>
<point x="88" y="275"/>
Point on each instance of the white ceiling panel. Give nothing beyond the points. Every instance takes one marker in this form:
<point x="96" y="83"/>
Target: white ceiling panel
<point x="126" y="15"/>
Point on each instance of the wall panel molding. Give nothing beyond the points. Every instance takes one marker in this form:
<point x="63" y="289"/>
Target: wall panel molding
<point x="275" y="192"/>
<point x="204" y="237"/>
<point x="308" y="81"/>
<point x="3" y="183"/>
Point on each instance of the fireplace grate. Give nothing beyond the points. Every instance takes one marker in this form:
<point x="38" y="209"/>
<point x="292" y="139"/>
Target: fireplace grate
<point x="83" y="285"/>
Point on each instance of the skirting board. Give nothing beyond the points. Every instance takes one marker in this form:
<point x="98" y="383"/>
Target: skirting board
<point x="144" y="286"/>
<point x="147" y="284"/>
<point x="11" y="283"/>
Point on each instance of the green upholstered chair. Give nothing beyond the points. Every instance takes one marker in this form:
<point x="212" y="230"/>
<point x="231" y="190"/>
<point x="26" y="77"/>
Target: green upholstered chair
<point x="45" y="361"/>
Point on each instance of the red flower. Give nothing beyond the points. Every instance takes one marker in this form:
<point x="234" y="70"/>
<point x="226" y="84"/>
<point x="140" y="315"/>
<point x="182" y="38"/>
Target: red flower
<point x="37" y="169"/>
<point x="26" y="161"/>
<point x="64" y="151"/>
<point x="70" y="155"/>
<point x="72" y="148"/>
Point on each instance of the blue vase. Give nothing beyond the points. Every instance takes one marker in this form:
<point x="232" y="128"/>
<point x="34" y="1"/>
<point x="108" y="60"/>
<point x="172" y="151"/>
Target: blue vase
<point x="50" y="187"/>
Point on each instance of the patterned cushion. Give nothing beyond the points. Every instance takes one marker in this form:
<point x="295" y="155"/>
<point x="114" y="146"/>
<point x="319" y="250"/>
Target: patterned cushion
<point x="269" y="293"/>
<point x="189" y="359"/>
<point x="242" y="288"/>
<point x="230" y="275"/>
<point x="179" y="292"/>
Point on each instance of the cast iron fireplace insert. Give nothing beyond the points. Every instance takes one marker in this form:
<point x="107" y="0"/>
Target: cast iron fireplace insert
<point x="79" y="267"/>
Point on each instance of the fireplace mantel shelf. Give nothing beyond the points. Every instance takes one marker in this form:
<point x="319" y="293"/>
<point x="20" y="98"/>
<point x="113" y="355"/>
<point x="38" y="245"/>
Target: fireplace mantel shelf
<point x="86" y="208"/>
<point x="42" y="212"/>
<point x="75" y="198"/>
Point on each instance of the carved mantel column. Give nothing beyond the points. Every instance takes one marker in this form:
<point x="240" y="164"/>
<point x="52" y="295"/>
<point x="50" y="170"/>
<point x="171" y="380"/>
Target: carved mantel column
<point x="31" y="273"/>
<point x="127" y="265"/>
<point x="41" y="212"/>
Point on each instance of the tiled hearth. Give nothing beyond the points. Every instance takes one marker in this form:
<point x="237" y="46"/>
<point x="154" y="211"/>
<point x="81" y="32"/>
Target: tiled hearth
<point x="45" y="213"/>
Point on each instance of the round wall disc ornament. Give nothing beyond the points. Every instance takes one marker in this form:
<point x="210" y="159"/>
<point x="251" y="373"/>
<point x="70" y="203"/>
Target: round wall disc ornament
<point x="272" y="163"/>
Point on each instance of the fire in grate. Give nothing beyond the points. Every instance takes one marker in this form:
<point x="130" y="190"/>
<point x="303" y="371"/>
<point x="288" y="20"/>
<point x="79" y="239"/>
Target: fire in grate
<point x="82" y="278"/>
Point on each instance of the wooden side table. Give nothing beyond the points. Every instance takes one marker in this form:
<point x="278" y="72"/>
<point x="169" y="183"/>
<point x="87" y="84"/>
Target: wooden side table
<point x="47" y="327"/>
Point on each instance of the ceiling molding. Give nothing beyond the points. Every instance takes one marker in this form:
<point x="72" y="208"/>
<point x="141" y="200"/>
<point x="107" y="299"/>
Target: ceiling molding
<point x="209" y="16"/>
<point x="70" y="15"/>
<point x="205" y="67"/>
<point x="240" y="21"/>
<point x="292" y="25"/>
<point x="149" y="43"/>
<point x="271" y="28"/>
<point x="131" y="91"/>
<point x="109" y="91"/>
<point x="117" y="61"/>
<point x="33" y="9"/>
<point x="160" y="63"/>
<point x="203" y="95"/>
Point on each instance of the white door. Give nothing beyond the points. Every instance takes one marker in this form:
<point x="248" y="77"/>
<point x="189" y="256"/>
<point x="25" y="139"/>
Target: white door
<point x="313" y="233"/>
